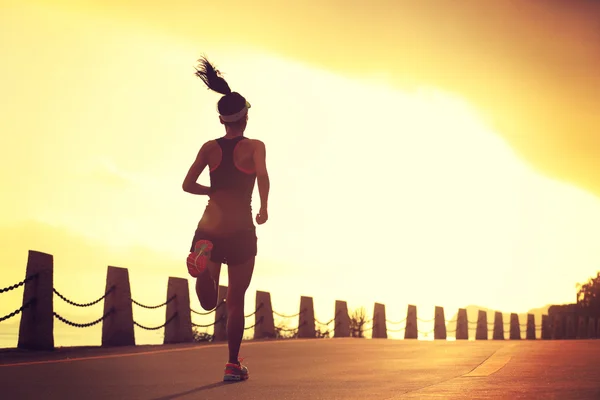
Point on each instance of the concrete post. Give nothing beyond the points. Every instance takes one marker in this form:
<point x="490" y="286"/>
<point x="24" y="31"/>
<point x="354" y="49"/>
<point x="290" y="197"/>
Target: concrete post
<point x="498" y="326"/>
<point x="558" y="327"/>
<point x="582" y="332"/>
<point x="342" y="319"/>
<point x="411" y="331"/>
<point x="179" y="329"/>
<point x="546" y="328"/>
<point x="306" y="319"/>
<point x="439" y="327"/>
<point x="592" y="328"/>
<point x="36" y="329"/>
<point x="482" y="328"/>
<point x="117" y="327"/>
<point x="462" y="325"/>
<point x="530" y="335"/>
<point x="515" y="327"/>
<point x="220" y="329"/>
<point x="266" y="328"/>
<point x="571" y="329"/>
<point x="379" y="322"/>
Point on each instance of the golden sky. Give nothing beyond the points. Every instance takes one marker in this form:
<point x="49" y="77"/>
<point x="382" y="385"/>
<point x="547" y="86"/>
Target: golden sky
<point x="530" y="67"/>
<point x="421" y="154"/>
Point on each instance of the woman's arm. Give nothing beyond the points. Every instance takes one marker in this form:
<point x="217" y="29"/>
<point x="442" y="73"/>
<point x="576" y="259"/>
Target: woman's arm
<point x="262" y="178"/>
<point x="189" y="183"/>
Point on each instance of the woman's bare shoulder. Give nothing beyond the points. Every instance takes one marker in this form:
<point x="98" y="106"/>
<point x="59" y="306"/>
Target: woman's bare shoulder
<point x="209" y="145"/>
<point x="257" y="143"/>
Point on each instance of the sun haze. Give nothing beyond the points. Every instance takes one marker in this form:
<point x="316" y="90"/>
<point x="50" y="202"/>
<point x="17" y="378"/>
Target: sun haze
<point x="388" y="192"/>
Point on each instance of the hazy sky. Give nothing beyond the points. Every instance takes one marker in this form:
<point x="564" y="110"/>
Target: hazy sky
<point x="530" y="67"/>
<point x="421" y="154"/>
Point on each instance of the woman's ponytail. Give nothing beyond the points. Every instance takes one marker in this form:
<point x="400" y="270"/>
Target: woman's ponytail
<point x="211" y="77"/>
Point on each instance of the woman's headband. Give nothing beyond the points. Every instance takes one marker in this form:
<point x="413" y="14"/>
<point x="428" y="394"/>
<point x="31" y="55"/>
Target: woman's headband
<point x="238" y="115"/>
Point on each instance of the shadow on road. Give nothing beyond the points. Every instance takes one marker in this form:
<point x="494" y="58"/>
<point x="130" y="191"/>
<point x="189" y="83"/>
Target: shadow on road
<point x="198" y="389"/>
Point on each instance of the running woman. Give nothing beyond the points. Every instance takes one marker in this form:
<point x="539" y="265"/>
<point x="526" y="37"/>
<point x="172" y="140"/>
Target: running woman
<point x="226" y="233"/>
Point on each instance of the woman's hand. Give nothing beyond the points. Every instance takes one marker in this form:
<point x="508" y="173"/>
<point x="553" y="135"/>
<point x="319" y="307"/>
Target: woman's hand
<point x="262" y="216"/>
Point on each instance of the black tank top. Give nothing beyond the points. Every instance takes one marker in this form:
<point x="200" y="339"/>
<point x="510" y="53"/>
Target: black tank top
<point x="228" y="177"/>
<point x="230" y="190"/>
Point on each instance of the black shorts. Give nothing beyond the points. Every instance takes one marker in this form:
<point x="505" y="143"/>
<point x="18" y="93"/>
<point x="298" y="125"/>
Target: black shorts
<point x="233" y="249"/>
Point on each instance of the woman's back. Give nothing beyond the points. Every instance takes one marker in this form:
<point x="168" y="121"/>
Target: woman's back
<point x="232" y="178"/>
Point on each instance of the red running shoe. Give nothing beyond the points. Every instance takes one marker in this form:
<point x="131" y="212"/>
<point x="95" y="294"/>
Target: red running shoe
<point x="235" y="372"/>
<point x="196" y="261"/>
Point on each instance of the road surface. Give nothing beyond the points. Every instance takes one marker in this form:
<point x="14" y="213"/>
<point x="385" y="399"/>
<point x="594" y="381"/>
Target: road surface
<point x="316" y="369"/>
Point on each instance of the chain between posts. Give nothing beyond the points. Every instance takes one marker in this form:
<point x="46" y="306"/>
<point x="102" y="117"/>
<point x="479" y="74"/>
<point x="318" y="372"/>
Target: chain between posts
<point x="83" y="304"/>
<point x="16" y="285"/>
<point x="257" y="308"/>
<point x="394" y="322"/>
<point x="17" y="311"/>
<point x="290" y="329"/>
<point x="208" y="312"/>
<point x="156" y="327"/>
<point x="66" y="321"/>
<point x="290" y="316"/>
<point x="208" y="325"/>
<point x="260" y="320"/>
<point x="154" y="307"/>
<point x="328" y="322"/>
<point x="396" y="330"/>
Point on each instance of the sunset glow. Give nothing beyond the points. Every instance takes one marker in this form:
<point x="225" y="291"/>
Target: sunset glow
<point x="380" y="192"/>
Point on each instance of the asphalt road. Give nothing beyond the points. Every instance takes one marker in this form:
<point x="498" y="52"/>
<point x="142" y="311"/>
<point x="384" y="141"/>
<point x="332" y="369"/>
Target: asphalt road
<point x="311" y="369"/>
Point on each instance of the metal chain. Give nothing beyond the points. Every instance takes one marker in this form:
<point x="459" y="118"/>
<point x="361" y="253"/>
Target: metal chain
<point x="208" y="312"/>
<point x="425" y="320"/>
<point x="330" y="321"/>
<point x="153" y="307"/>
<point x="394" y="323"/>
<point x="83" y="325"/>
<point x="12" y="314"/>
<point x="206" y="326"/>
<point x="156" y="327"/>
<point x="258" y="308"/>
<point x="85" y="304"/>
<point x="16" y="285"/>
<point x="257" y="323"/>
<point x="289" y="316"/>
<point x="290" y="329"/>
<point x="396" y="330"/>
<point x="325" y="323"/>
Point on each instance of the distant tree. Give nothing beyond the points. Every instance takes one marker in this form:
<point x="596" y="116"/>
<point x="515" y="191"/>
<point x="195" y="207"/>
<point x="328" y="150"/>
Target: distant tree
<point x="588" y="295"/>
<point x="283" y="332"/>
<point x="358" y="319"/>
<point x="322" y="333"/>
<point x="201" y="336"/>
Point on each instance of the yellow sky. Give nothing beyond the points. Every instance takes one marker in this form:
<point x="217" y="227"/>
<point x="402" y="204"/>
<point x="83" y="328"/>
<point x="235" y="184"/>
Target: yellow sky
<point x="382" y="189"/>
<point x="529" y="67"/>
